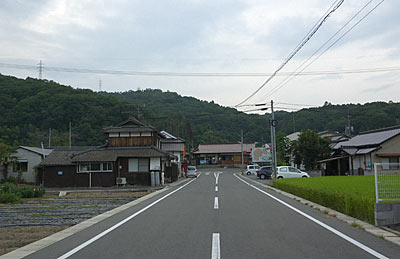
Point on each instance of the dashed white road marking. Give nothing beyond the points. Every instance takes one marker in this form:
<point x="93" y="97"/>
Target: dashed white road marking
<point x="216" y="203"/>
<point x="340" y="234"/>
<point x="216" y="249"/>
<point x="216" y="188"/>
<point x="208" y="173"/>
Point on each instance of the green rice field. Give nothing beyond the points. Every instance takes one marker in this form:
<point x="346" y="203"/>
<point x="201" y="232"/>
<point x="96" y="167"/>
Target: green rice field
<point x="351" y="195"/>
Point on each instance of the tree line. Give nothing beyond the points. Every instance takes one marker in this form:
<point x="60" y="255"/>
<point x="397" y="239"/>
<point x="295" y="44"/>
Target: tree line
<point x="30" y="107"/>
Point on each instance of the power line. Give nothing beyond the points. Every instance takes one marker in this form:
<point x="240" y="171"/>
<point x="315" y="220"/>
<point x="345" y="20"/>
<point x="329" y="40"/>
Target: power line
<point x="198" y="74"/>
<point x="297" y="49"/>
<point x="283" y="83"/>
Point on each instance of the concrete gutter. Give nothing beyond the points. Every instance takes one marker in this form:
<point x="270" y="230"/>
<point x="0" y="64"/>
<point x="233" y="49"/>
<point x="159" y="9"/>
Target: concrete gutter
<point x="385" y="233"/>
<point x="40" y="244"/>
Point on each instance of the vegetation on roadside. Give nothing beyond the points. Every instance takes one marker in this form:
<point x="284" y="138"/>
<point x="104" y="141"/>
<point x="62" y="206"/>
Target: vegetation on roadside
<point x="351" y="195"/>
<point x="10" y="193"/>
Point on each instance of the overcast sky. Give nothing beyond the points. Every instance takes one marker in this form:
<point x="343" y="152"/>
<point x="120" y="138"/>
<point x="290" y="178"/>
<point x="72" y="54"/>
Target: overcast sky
<point x="204" y="36"/>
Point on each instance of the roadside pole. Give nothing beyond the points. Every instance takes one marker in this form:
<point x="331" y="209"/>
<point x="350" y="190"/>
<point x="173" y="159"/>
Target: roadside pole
<point x="241" y="149"/>
<point x="273" y="140"/>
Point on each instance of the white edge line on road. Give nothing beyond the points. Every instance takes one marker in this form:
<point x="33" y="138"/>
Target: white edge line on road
<point x="216" y="188"/>
<point x="216" y="203"/>
<point x="105" y="232"/>
<point x="340" y="234"/>
<point x="215" y="250"/>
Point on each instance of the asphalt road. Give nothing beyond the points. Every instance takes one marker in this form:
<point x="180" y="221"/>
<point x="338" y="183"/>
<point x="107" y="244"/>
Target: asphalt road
<point x="218" y="215"/>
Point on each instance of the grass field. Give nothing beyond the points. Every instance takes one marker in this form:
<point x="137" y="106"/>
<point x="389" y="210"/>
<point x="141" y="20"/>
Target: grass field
<point x="351" y="195"/>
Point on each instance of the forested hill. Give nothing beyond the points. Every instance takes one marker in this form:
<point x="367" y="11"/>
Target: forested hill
<point x="29" y="107"/>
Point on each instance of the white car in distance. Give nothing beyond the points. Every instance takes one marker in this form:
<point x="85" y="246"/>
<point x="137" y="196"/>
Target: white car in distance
<point x="191" y="171"/>
<point x="252" y="169"/>
<point x="290" y="172"/>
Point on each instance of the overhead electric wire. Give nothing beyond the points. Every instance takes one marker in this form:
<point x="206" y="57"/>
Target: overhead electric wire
<point x="286" y="81"/>
<point x="197" y="74"/>
<point x="297" y="49"/>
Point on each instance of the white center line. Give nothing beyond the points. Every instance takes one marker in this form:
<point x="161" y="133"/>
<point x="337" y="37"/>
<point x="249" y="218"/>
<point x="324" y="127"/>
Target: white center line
<point x="340" y="234"/>
<point x="216" y="188"/>
<point x="216" y="250"/>
<point x="216" y="203"/>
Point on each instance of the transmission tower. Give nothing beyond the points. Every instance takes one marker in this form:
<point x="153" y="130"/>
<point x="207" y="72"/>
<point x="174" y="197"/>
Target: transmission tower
<point x="40" y="68"/>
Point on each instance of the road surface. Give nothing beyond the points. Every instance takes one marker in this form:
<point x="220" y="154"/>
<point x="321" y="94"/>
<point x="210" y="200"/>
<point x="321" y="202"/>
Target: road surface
<point x="220" y="215"/>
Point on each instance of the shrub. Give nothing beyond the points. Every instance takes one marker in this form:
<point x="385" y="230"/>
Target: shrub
<point x="9" y="197"/>
<point x="8" y="187"/>
<point x="27" y="191"/>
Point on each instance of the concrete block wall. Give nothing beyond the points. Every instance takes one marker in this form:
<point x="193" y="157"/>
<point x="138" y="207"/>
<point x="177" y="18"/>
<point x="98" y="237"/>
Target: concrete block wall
<point x="387" y="214"/>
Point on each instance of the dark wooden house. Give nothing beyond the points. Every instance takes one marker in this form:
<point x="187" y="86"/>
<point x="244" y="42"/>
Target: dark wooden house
<point x="131" y="154"/>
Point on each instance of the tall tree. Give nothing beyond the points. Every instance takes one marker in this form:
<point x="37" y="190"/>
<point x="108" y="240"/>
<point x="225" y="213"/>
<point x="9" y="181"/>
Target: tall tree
<point x="310" y="148"/>
<point x="283" y="148"/>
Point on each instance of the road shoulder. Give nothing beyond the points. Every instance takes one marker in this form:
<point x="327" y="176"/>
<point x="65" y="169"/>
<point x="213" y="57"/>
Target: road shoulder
<point x="379" y="232"/>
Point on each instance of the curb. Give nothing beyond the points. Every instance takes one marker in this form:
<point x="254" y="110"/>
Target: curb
<point x="379" y="232"/>
<point x="49" y="240"/>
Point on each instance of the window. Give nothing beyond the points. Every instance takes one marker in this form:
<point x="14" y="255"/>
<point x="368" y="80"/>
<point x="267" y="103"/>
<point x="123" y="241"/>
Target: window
<point x="21" y="167"/>
<point x="393" y="162"/>
<point x="107" y="167"/>
<point x="95" y="167"/>
<point x="84" y="167"/>
<point x="283" y="169"/>
<point x="293" y="170"/>
<point x="138" y="165"/>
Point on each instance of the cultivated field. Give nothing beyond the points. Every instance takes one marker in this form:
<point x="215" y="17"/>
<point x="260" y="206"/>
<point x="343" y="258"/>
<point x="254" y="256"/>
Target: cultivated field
<point x="351" y="195"/>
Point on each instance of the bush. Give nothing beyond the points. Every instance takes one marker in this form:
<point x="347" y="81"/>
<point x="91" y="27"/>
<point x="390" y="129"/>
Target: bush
<point x="8" y="187"/>
<point x="351" y="195"/>
<point x="27" y="191"/>
<point x="9" y="197"/>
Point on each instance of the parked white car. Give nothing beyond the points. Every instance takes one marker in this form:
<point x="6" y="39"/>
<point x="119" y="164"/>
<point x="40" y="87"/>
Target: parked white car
<point x="191" y="171"/>
<point x="252" y="169"/>
<point x="290" y="172"/>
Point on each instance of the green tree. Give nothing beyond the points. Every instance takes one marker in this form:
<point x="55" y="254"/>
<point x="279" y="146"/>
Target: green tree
<point x="310" y="148"/>
<point x="6" y="159"/>
<point x="283" y="148"/>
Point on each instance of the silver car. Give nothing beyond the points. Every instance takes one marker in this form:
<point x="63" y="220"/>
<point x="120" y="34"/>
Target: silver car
<point x="290" y="172"/>
<point x="191" y="171"/>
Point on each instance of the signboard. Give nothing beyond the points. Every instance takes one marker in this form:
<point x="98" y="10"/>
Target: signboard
<point x="261" y="155"/>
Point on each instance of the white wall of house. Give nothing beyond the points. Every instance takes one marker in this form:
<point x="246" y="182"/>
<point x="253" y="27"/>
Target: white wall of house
<point x="33" y="159"/>
<point x="155" y="163"/>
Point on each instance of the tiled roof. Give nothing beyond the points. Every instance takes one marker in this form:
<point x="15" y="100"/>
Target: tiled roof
<point x="370" y="139"/>
<point x="58" y="158"/>
<point x="111" y="154"/>
<point x="224" y="148"/>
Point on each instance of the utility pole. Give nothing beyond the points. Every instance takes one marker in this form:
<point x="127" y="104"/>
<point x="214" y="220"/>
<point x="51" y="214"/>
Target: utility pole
<point x="348" y="132"/>
<point x="70" y="135"/>
<point x="241" y="148"/>
<point x="40" y="67"/>
<point x="49" y="137"/>
<point x="273" y="140"/>
<point x="100" y="85"/>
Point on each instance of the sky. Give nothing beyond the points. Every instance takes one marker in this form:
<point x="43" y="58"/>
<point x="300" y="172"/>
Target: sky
<point x="231" y="46"/>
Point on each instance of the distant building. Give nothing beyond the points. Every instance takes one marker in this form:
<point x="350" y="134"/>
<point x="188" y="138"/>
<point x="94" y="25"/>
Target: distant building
<point x="356" y="156"/>
<point x="132" y="152"/>
<point x="28" y="159"/>
<point x="225" y="154"/>
<point x="174" y="146"/>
